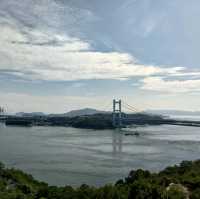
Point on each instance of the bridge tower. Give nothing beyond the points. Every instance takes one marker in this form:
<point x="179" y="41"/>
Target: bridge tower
<point x="117" y="113"/>
<point x="2" y="110"/>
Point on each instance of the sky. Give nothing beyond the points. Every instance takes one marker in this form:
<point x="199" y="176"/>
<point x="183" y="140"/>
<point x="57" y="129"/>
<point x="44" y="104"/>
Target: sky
<point x="59" y="55"/>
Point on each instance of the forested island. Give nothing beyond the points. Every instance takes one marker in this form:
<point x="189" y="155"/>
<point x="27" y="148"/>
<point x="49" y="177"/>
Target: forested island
<point x="95" y="121"/>
<point x="177" y="182"/>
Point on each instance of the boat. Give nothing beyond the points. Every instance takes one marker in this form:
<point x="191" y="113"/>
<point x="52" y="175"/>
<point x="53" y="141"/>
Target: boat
<point x="132" y="134"/>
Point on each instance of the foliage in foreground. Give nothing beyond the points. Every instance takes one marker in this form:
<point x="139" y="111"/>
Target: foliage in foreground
<point x="177" y="182"/>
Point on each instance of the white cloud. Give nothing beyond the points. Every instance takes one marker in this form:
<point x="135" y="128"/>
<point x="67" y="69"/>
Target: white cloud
<point x="78" y="85"/>
<point x="170" y="86"/>
<point x="47" y="56"/>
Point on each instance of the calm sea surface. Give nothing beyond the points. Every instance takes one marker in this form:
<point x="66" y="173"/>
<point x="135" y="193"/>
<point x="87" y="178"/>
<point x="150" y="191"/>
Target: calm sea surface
<point x="72" y="156"/>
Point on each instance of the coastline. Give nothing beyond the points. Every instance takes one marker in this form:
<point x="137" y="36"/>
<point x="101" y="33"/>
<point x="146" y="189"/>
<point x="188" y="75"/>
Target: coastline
<point x="97" y="121"/>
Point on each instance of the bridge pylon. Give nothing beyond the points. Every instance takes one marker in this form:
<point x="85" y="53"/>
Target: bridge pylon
<point x="2" y="110"/>
<point x="117" y="113"/>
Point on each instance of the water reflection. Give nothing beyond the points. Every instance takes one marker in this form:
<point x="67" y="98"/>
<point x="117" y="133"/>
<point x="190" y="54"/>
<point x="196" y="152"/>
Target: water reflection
<point x="117" y="142"/>
<point x="2" y="124"/>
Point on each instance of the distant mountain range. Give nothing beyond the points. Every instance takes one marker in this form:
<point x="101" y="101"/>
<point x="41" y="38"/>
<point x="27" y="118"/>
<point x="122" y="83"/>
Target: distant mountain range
<point x="30" y="114"/>
<point x="85" y="111"/>
<point x="73" y="113"/>
<point x="91" y="111"/>
<point x="175" y="112"/>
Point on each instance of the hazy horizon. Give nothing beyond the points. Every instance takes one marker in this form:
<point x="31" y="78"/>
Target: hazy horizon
<point x="151" y="111"/>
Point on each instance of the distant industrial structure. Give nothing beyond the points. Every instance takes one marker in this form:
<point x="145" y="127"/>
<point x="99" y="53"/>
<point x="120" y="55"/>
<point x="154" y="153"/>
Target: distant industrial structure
<point x="2" y="114"/>
<point x="2" y="111"/>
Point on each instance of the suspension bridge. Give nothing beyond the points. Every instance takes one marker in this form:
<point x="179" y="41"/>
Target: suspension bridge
<point x="121" y="115"/>
<point x="125" y="114"/>
<point x="2" y="113"/>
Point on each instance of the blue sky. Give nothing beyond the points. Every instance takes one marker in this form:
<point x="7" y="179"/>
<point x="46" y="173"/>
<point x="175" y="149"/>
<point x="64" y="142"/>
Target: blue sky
<point x="58" y="55"/>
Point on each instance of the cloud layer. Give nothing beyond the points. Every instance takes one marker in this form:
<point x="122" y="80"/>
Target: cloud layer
<point x="171" y="86"/>
<point x="45" y="55"/>
<point x="32" y="48"/>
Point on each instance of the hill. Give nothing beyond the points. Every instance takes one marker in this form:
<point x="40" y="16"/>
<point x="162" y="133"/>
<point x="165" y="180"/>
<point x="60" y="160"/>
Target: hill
<point x="175" y="112"/>
<point x="23" y="114"/>
<point x="177" y="182"/>
<point x="81" y="112"/>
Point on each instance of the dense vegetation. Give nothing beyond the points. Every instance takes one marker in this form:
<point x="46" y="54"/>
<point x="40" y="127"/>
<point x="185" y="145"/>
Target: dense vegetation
<point x="96" y="121"/>
<point x="177" y="182"/>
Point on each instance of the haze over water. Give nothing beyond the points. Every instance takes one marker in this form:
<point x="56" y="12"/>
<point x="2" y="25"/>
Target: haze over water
<point x="71" y="156"/>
